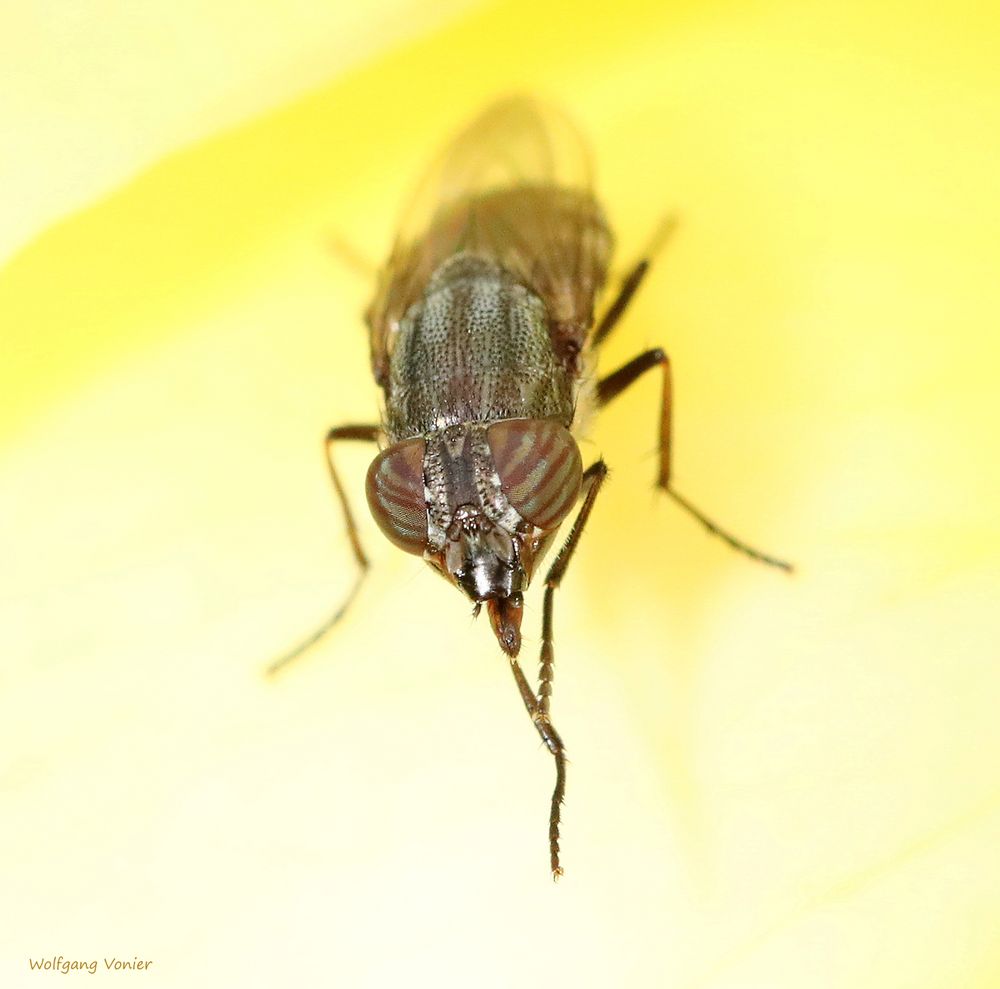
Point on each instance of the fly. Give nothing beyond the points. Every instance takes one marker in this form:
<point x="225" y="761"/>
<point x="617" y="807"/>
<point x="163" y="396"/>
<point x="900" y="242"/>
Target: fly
<point x="484" y="344"/>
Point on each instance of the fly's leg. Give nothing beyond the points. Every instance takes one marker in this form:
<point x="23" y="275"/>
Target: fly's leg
<point x="593" y="478"/>
<point x="367" y="434"/>
<point x="632" y="281"/>
<point x="351" y="258"/>
<point x="613" y="385"/>
<point x="555" y="745"/>
<point x="538" y="708"/>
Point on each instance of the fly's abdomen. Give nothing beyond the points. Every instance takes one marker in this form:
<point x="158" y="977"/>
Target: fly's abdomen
<point x="476" y="348"/>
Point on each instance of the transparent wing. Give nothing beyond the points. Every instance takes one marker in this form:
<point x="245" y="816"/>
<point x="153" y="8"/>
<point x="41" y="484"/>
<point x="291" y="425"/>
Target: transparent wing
<point x="514" y="187"/>
<point x="518" y="141"/>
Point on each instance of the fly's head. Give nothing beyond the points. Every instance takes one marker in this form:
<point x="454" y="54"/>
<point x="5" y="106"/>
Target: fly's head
<point x="481" y="503"/>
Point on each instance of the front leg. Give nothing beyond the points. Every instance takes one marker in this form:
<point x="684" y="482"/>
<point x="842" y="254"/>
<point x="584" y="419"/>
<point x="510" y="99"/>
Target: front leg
<point x="538" y="708"/>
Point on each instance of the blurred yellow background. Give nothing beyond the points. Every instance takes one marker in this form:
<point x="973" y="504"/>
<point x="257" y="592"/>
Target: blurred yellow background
<point x="775" y="782"/>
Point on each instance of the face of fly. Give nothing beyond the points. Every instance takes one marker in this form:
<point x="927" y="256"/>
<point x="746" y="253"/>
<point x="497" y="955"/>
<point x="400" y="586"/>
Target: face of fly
<point x="481" y="504"/>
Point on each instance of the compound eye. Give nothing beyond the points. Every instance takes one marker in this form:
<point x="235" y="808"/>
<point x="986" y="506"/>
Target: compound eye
<point x="539" y="467"/>
<point x="395" y="489"/>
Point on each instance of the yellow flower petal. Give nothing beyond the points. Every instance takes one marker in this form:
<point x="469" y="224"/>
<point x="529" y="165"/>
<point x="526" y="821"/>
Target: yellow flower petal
<point x="775" y="782"/>
<point x="95" y="91"/>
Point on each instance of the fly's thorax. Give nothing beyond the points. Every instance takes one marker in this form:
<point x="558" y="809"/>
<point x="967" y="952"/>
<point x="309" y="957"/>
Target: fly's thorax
<point x="480" y="502"/>
<point x="476" y="347"/>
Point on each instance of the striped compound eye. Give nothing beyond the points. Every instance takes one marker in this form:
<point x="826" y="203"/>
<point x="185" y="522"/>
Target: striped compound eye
<point x="395" y="489"/>
<point x="539" y="467"/>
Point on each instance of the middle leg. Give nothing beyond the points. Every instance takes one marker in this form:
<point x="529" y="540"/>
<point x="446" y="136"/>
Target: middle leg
<point x="613" y="385"/>
<point x="365" y="434"/>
